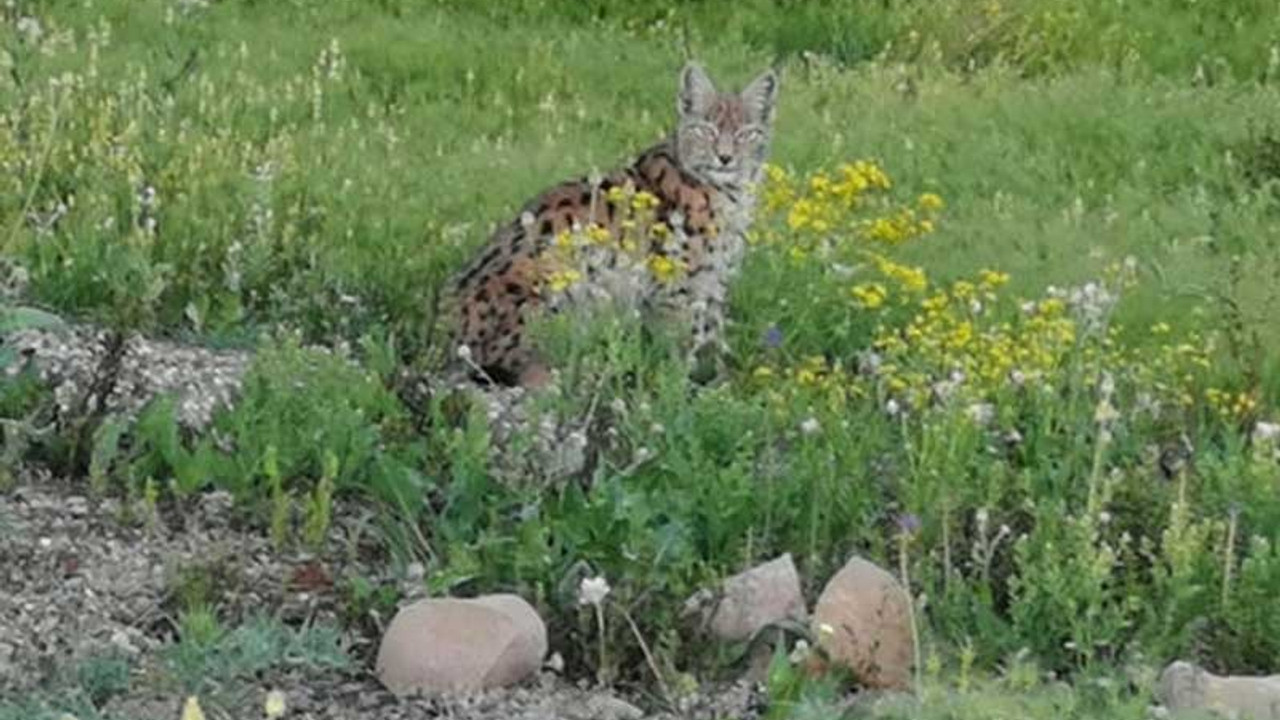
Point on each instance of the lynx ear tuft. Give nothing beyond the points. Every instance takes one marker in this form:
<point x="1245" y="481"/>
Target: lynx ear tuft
<point x="761" y="97"/>
<point x="696" y="90"/>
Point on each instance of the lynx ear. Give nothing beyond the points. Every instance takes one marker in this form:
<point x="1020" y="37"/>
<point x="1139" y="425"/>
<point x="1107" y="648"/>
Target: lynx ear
<point x="696" y="90"/>
<point x="761" y="96"/>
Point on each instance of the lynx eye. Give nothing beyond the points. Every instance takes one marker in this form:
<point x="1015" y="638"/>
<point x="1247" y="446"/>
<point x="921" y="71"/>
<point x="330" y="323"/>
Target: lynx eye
<point x="750" y="135"/>
<point x="702" y="132"/>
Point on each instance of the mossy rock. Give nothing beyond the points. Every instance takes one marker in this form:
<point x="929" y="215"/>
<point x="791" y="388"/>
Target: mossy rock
<point x="17" y="318"/>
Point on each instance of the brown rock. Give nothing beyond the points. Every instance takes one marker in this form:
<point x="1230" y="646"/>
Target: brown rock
<point x="862" y="620"/>
<point x="1184" y="687"/>
<point x="749" y="601"/>
<point x="448" y="645"/>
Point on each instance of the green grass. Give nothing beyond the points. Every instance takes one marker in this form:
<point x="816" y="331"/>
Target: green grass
<point x="320" y="167"/>
<point x="220" y="666"/>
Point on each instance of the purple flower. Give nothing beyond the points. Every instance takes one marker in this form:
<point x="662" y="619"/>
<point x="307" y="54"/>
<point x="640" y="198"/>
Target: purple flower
<point x="908" y="523"/>
<point x="772" y="337"/>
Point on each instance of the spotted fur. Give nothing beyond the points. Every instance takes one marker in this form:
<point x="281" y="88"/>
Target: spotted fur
<point x="702" y="176"/>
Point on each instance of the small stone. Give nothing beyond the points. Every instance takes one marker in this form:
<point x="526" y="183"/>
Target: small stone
<point x="77" y="506"/>
<point x="1187" y="687"/>
<point x="766" y="594"/>
<point x="603" y="706"/>
<point x="120" y="640"/>
<point x="6" y="660"/>
<point x="439" y="646"/>
<point x="414" y="572"/>
<point x="862" y="620"/>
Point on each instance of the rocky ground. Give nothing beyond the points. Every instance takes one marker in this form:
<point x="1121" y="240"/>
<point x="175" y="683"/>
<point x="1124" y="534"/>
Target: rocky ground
<point x="84" y="576"/>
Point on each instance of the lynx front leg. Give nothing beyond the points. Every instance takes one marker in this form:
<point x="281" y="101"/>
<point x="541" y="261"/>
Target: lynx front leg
<point x="708" y="350"/>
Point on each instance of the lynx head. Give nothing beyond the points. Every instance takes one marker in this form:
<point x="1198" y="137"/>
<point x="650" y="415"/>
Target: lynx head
<point x="723" y="138"/>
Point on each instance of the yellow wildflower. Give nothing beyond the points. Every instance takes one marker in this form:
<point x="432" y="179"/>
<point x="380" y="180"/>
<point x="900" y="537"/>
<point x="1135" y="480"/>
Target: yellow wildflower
<point x="930" y="201"/>
<point x="597" y="234"/>
<point x="912" y="279"/>
<point x="616" y="195"/>
<point x="664" y="269"/>
<point x="561" y="280"/>
<point x="644" y="200"/>
<point x="274" y="705"/>
<point x="992" y="279"/>
<point x="869" y="295"/>
<point x="191" y="709"/>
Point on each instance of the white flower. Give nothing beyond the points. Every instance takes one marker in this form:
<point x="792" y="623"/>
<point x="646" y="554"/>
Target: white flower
<point x="274" y="706"/>
<point x="191" y="709"/>
<point x="892" y="408"/>
<point x="800" y="653"/>
<point x="30" y="28"/>
<point x="1105" y="413"/>
<point x="593" y="591"/>
<point x="810" y="426"/>
<point x="464" y="353"/>
<point x="1108" y="385"/>
<point x="1266" y="432"/>
<point x="981" y="516"/>
<point x="981" y="413"/>
<point x="869" y="363"/>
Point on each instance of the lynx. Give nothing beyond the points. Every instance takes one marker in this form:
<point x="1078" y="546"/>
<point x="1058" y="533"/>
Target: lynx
<point x="695" y="189"/>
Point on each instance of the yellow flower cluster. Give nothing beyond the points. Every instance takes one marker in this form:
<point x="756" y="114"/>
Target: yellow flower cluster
<point x="869" y="296"/>
<point x="636" y="230"/>
<point x="824" y="202"/>
<point x="897" y="227"/>
<point x="665" y="269"/>
<point x="955" y="340"/>
<point x="561" y="280"/>
<point x="968" y="341"/>
<point x="909" y="279"/>
<point x="841" y="207"/>
<point x="1231" y="406"/>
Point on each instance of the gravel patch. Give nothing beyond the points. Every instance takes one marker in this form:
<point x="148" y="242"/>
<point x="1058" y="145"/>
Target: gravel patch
<point x="81" y="578"/>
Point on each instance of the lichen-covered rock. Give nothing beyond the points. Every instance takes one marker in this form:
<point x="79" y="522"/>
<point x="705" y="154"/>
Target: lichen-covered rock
<point x="92" y="372"/>
<point x="1186" y="687"/>
<point x="755" y="598"/>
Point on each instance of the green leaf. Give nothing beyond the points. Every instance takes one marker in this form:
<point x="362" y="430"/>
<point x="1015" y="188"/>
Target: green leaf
<point x="13" y="319"/>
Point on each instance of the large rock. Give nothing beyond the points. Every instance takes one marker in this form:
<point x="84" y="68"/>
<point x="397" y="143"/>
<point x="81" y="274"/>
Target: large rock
<point x="441" y="646"/>
<point x="862" y="620"/>
<point x="758" y="597"/>
<point x="90" y="370"/>
<point x="1186" y="687"/>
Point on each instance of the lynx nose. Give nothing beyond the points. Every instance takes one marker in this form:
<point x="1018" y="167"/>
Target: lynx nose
<point x="725" y="158"/>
